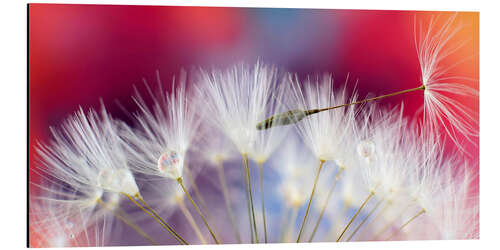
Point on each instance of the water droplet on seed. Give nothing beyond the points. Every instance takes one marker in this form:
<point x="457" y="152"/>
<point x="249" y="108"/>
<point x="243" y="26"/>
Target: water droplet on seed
<point x="366" y="149"/>
<point x="169" y="159"/>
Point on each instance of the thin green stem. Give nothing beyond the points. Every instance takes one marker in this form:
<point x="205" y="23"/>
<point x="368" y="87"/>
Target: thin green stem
<point x="422" y="211"/>
<point x="323" y="208"/>
<point x="261" y="180"/>
<point x="321" y="162"/>
<point x="355" y="215"/>
<point x="191" y="220"/>
<point x="293" y="116"/>
<point x="159" y="220"/>
<point x="365" y="219"/>
<point x="198" y="195"/>
<point x="197" y="210"/>
<point x="250" y="224"/>
<point x="380" y="232"/>
<point x="249" y="210"/>
<point x="377" y="214"/>
<point x="332" y="233"/>
<point x="245" y="158"/>
<point x="313" y="111"/>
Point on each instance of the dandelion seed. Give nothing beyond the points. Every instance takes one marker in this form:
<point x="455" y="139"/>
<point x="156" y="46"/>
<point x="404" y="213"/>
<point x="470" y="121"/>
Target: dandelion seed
<point x="165" y="134"/>
<point x="235" y="101"/>
<point x="383" y="159"/>
<point x="323" y="198"/>
<point x="292" y="162"/>
<point x="441" y="89"/>
<point x="324" y="133"/>
<point x="266" y="142"/>
<point x="385" y="156"/>
<point x="294" y="116"/>
<point x="439" y="107"/>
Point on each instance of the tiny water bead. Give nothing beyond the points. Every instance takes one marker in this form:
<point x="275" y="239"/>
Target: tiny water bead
<point x="366" y="149"/>
<point x="167" y="160"/>
<point x="170" y="163"/>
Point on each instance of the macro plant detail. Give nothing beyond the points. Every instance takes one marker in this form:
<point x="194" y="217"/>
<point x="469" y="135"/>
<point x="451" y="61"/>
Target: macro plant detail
<point x="291" y="159"/>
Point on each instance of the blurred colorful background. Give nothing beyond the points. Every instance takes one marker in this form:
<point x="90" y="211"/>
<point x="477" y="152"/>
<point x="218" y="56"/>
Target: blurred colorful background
<point x="79" y="54"/>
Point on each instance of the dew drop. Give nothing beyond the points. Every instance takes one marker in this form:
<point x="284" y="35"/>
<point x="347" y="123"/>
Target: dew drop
<point x="366" y="149"/>
<point x="168" y="160"/>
